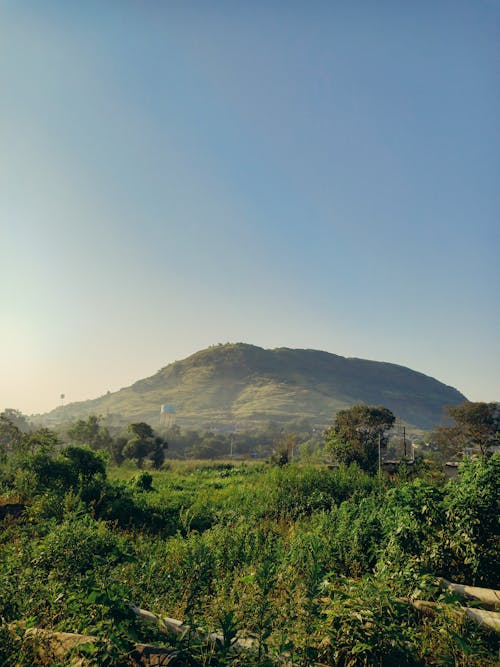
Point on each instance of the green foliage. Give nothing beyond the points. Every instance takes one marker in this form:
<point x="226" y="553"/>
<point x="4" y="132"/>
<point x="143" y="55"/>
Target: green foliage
<point x="116" y="448"/>
<point x="137" y="450"/>
<point x="158" y="455"/>
<point x="303" y="490"/>
<point x="143" y="481"/>
<point x="77" y="545"/>
<point x="18" y="448"/>
<point x="16" y="418"/>
<point x="142" y="443"/>
<point x="15" y="443"/>
<point x="364" y="625"/>
<point x="75" y="467"/>
<point x="413" y="522"/>
<point x="476" y="428"/>
<point x="314" y="565"/>
<point x="11" y="437"/>
<point x="41" y="472"/>
<point x="86" y="463"/>
<point x="472" y="508"/>
<point x="90" y="432"/>
<point x="356" y="435"/>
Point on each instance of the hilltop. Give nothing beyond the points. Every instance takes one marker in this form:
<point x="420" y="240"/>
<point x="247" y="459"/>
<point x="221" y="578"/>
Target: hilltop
<point x="242" y="384"/>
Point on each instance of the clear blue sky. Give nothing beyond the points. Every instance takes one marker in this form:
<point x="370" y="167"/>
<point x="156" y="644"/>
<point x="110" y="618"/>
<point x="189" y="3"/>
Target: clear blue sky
<point x="299" y="174"/>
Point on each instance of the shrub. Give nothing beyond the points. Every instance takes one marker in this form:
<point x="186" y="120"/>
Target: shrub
<point x="472" y="536"/>
<point x="298" y="491"/>
<point x="78" y="545"/>
<point x="362" y="626"/>
<point x="143" y="481"/>
<point x="413" y="521"/>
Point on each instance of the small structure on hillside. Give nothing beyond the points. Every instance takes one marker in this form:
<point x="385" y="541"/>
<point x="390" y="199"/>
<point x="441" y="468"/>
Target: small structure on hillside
<point x="168" y="413"/>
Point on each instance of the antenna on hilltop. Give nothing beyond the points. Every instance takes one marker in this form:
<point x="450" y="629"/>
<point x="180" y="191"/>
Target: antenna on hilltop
<point x="63" y="396"/>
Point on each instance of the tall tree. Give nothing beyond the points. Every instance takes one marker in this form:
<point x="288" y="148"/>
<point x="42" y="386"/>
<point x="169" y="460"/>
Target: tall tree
<point x="476" y="427"/>
<point x="17" y="418"/>
<point x="356" y="434"/>
<point x="11" y="437"/>
<point x="90" y="432"/>
<point x="144" y="442"/>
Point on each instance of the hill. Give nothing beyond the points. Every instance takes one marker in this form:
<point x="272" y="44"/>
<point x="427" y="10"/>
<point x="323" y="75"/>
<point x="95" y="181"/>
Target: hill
<point x="246" y="385"/>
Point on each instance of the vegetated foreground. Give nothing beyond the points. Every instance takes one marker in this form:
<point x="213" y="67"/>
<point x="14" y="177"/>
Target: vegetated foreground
<point x="315" y="566"/>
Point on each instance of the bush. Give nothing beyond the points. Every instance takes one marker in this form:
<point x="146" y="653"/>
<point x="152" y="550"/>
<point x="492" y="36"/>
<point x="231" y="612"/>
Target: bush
<point x="298" y="491"/>
<point x="142" y="482"/>
<point x="78" y="545"/>
<point x="472" y="536"/>
<point x="364" y="626"/>
<point x="413" y="521"/>
<point x="76" y="467"/>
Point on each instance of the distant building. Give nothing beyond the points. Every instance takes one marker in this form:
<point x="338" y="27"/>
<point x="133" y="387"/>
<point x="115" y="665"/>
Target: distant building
<point x="168" y="413"/>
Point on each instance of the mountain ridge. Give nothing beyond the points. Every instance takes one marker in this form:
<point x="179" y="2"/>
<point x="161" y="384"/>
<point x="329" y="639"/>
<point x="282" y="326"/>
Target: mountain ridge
<point x="239" y="383"/>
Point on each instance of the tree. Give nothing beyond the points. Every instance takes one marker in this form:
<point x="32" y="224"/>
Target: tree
<point x="116" y="448"/>
<point x="16" y="443"/>
<point x="356" y="434"/>
<point x="142" y="443"/>
<point x="43" y="440"/>
<point x="11" y="437"/>
<point x="90" y="432"/>
<point x="86" y="463"/>
<point x="477" y="426"/>
<point x="158" y="455"/>
<point x="75" y="468"/>
<point x="284" y="444"/>
<point x="18" y="419"/>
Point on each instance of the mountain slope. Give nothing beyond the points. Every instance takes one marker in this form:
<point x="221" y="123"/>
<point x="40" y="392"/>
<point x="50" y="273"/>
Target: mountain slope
<point x="244" y="384"/>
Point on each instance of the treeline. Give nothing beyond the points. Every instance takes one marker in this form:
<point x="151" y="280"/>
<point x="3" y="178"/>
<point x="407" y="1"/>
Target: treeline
<point x="37" y="465"/>
<point x="258" y="443"/>
<point x="362" y="434"/>
<point x="140" y="443"/>
<point x="137" y="442"/>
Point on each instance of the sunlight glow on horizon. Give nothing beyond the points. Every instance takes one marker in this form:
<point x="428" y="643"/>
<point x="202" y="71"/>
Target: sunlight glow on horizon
<point x="174" y="177"/>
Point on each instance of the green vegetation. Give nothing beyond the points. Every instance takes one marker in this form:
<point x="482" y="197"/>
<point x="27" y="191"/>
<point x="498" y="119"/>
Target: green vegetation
<point x="142" y="443"/>
<point x="358" y="434"/>
<point x="246" y="385"/>
<point x="476" y="427"/>
<point x="314" y="565"/>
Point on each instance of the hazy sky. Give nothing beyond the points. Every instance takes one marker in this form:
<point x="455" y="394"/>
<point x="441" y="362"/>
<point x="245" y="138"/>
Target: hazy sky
<point x="300" y="174"/>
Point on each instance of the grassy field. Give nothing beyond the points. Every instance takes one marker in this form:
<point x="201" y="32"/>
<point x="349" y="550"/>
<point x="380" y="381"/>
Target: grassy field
<point x="315" y="566"/>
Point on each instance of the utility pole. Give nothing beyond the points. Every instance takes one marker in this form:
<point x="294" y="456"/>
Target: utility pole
<point x="404" y="441"/>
